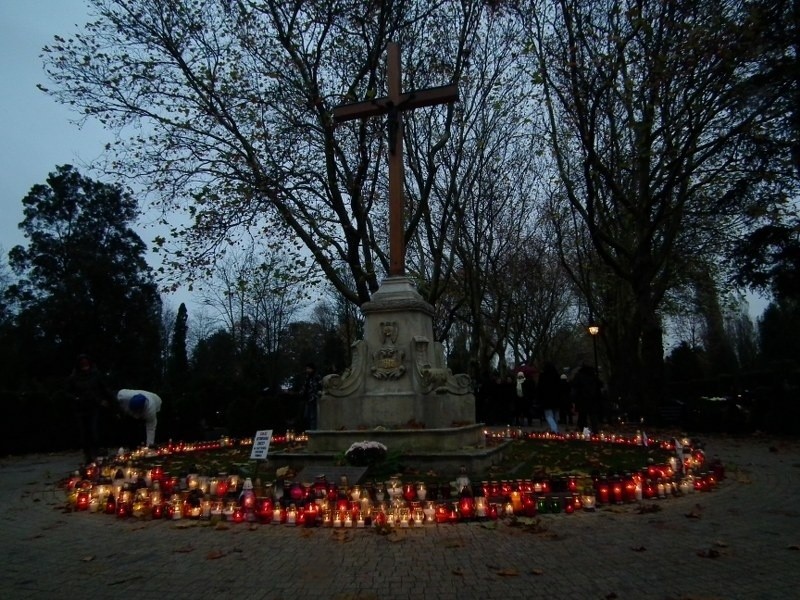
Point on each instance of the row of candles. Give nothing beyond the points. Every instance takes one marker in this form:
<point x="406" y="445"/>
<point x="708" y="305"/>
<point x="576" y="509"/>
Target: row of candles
<point x="396" y="503"/>
<point x="291" y="437"/>
<point x="132" y="492"/>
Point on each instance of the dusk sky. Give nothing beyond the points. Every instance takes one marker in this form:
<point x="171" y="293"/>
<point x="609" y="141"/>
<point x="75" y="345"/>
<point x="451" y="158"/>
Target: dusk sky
<point x="37" y="133"/>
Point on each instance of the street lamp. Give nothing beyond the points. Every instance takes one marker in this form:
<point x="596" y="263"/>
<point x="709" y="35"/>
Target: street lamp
<point x="594" y="331"/>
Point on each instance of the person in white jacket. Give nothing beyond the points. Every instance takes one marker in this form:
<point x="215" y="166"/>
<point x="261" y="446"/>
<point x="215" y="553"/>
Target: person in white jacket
<point x="140" y="404"/>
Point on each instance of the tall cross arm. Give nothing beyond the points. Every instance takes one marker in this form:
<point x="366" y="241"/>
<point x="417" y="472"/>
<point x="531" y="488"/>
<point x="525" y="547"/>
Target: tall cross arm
<point x="380" y="106"/>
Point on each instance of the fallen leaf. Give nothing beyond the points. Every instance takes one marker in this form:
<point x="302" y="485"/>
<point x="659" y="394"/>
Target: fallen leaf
<point x="215" y="554"/>
<point x="457" y="572"/>
<point x="695" y="513"/>
<point x="720" y="544"/>
<point x="87" y="558"/>
<point x="184" y="549"/>
<point x="453" y="544"/>
<point x="221" y="527"/>
<point x="508" y="573"/>
<point x="537" y="572"/>
<point x="126" y="580"/>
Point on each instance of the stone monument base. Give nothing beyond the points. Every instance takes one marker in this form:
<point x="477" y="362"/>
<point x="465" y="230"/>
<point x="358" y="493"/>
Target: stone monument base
<point x="405" y="440"/>
<point x="442" y="450"/>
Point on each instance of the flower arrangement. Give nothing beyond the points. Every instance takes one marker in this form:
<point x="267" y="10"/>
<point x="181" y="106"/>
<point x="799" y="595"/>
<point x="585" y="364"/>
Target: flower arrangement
<point x="365" y="454"/>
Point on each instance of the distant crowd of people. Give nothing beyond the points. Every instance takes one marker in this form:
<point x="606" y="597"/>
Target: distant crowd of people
<point x="526" y="395"/>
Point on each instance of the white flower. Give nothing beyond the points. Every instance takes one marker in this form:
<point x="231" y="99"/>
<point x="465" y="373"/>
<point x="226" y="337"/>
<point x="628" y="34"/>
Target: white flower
<point x="366" y="446"/>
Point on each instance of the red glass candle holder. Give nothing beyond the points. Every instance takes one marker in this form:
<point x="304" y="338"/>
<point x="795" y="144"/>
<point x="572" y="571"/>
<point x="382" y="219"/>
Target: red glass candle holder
<point x="466" y="506"/>
<point x="529" y="504"/>
<point x="82" y="500"/>
<point x="649" y="490"/>
<point x="603" y="493"/>
<point x="630" y="490"/>
<point x="442" y="514"/>
<point x="617" y="491"/>
<point x="264" y="509"/>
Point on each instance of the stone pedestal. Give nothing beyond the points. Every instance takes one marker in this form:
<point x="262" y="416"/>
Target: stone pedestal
<point x="398" y="380"/>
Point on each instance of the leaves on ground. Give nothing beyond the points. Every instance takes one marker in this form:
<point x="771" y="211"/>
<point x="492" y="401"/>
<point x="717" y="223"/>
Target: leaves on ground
<point x="126" y="580"/>
<point x="342" y="535"/>
<point x="537" y="572"/>
<point x="215" y="554"/>
<point x="508" y="572"/>
<point x="184" y="549"/>
<point x="696" y="512"/>
<point x="88" y="558"/>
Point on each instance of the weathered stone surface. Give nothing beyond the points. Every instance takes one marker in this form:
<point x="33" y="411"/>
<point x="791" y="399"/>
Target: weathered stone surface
<point x="398" y="378"/>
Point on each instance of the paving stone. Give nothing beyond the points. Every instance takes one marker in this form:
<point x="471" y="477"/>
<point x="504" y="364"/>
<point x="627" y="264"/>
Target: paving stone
<point x="750" y="520"/>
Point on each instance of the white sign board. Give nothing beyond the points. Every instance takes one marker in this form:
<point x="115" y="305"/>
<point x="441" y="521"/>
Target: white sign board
<point x="261" y="444"/>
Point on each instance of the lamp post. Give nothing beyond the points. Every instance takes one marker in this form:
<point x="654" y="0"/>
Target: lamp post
<point x="594" y="331"/>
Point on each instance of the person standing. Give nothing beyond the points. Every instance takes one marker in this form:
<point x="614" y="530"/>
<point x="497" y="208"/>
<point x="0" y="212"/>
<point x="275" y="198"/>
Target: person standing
<point x="143" y="405"/>
<point x="549" y="394"/>
<point x="586" y="392"/>
<point x="87" y="392"/>
<point x="565" y="398"/>
<point x="312" y="390"/>
<point x="524" y="398"/>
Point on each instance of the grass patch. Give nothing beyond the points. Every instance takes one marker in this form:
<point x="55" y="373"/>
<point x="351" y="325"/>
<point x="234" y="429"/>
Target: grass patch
<point x="524" y="459"/>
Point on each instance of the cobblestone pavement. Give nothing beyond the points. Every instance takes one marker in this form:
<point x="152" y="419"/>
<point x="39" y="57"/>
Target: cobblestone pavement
<point x="740" y="541"/>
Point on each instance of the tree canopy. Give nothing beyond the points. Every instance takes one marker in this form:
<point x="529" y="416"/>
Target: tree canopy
<point x="84" y="285"/>
<point x="633" y="140"/>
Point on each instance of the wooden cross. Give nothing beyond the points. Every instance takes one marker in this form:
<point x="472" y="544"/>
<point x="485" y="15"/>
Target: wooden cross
<point x="393" y="105"/>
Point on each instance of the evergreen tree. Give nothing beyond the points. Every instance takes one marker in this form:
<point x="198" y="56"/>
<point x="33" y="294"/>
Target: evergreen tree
<point x="84" y="285"/>
<point x="178" y="360"/>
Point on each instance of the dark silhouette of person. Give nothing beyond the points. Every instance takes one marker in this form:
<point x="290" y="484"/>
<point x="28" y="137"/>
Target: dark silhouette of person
<point x="89" y="395"/>
<point x="549" y="394"/>
<point x="312" y="390"/>
<point x="586" y="391"/>
<point x="565" y="400"/>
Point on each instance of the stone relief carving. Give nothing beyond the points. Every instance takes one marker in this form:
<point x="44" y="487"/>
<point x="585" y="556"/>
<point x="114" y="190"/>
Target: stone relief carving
<point x="432" y="375"/>
<point x="387" y="361"/>
<point x="349" y="382"/>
